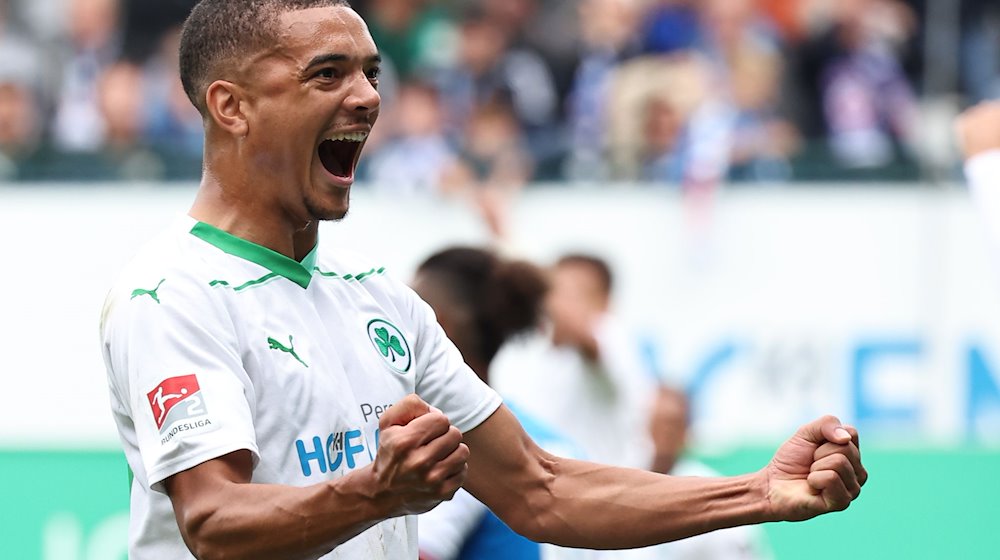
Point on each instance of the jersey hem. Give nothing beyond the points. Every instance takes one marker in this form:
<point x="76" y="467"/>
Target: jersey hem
<point x="479" y="414"/>
<point x="157" y="476"/>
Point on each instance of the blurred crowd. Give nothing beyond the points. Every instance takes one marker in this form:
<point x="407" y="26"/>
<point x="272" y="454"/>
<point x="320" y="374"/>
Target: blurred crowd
<point x="484" y="96"/>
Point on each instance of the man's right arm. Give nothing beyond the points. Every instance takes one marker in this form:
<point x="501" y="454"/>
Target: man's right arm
<point x="421" y="461"/>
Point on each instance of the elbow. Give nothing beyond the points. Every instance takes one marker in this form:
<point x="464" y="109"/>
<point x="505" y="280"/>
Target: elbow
<point x="195" y="525"/>
<point x="536" y="516"/>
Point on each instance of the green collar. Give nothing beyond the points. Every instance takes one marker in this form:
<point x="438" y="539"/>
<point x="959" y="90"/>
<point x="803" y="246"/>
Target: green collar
<point x="300" y="273"/>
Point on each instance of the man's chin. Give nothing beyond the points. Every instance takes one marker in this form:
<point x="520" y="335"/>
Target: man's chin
<point x="328" y="212"/>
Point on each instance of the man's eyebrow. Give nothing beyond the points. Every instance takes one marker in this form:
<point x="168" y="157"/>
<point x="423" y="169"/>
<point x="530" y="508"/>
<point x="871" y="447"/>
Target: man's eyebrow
<point x="331" y="57"/>
<point x="326" y="58"/>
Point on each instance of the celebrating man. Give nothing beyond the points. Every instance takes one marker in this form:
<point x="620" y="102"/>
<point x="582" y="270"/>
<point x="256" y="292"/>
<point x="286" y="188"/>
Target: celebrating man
<point x="327" y="445"/>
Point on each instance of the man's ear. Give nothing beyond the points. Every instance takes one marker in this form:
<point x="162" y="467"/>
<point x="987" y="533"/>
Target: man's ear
<point x="223" y="100"/>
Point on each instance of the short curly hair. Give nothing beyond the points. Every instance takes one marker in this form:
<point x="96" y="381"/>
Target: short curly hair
<point x="218" y="32"/>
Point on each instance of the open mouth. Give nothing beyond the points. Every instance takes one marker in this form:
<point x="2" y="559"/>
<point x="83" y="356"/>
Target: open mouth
<point x="340" y="153"/>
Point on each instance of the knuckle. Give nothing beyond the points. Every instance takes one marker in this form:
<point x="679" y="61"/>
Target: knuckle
<point x="423" y="464"/>
<point x="437" y="421"/>
<point x="841" y="462"/>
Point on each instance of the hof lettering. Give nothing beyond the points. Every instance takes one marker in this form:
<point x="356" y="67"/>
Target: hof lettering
<point x="337" y="450"/>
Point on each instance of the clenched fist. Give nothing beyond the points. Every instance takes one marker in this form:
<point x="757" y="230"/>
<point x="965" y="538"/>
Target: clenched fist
<point x="817" y="471"/>
<point x="421" y="459"/>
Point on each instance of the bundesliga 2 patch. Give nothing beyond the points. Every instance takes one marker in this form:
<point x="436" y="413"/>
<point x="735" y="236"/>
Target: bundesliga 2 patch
<point x="177" y="406"/>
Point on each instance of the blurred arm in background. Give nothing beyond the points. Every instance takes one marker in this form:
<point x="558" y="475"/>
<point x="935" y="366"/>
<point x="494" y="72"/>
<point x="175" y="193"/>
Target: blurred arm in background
<point x="979" y="136"/>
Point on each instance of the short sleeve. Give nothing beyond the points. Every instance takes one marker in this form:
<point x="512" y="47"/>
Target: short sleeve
<point x="443" y="378"/>
<point x="173" y="359"/>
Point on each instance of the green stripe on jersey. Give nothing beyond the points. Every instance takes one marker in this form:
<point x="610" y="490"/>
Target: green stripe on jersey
<point x="278" y="264"/>
<point x="245" y="285"/>
<point x="360" y="277"/>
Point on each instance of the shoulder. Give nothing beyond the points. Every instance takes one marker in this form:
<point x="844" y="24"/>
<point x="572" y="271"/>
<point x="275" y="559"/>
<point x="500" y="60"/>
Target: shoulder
<point x="167" y="272"/>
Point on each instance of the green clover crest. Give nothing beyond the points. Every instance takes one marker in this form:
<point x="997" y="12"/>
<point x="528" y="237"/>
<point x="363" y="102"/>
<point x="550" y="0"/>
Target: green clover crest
<point x="387" y="343"/>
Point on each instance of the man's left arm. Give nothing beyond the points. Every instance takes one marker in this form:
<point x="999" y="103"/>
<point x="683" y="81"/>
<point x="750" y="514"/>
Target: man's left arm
<point x="586" y="505"/>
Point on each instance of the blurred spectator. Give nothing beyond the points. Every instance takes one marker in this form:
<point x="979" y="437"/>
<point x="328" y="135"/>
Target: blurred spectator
<point x="20" y="110"/>
<point x="980" y="57"/>
<point x="481" y="301"/>
<point x="607" y="36"/>
<point x="545" y="27"/>
<point x="93" y="45"/>
<point x="413" y="36"/>
<point x="20" y="126"/>
<point x="668" y="425"/>
<point x="20" y="57"/>
<point x="489" y="70"/>
<point x="668" y="125"/>
<point x="788" y="16"/>
<point x="671" y="26"/>
<point x="587" y="377"/>
<point x="415" y="156"/>
<point x="743" y="49"/>
<point x="170" y="123"/>
<point x="842" y="68"/>
<point x="119" y="104"/>
<point x="146" y="23"/>
<point x="497" y="163"/>
<point x="865" y="105"/>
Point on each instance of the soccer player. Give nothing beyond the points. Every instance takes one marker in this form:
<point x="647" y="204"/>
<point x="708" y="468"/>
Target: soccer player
<point x="482" y="300"/>
<point x="595" y="388"/>
<point x="322" y="405"/>
<point x="669" y="422"/>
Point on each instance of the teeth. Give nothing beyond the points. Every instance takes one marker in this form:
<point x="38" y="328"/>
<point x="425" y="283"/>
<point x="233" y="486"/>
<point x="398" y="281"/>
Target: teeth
<point x="349" y="137"/>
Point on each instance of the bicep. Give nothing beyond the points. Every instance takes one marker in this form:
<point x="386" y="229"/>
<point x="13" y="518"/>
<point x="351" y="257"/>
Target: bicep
<point x="508" y="471"/>
<point x="197" y="491"/>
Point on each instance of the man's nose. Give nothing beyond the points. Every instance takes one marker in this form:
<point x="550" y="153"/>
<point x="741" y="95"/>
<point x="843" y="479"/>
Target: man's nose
<point x="363" y="96"/>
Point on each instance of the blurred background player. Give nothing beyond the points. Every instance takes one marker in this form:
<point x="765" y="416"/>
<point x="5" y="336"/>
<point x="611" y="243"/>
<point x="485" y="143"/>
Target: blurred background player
<point x="979" y="135"/>
<point x="481" y="300"/>
<point x="668" y="424"/>
<point x="586" y="376"/>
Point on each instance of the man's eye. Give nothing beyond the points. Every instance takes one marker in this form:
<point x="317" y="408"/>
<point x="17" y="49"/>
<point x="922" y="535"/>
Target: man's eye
<point x="327" y="74"/>
<point x="373" y="73"/>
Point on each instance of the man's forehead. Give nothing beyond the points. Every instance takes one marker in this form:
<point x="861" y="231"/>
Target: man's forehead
<point x="333" y="29"/>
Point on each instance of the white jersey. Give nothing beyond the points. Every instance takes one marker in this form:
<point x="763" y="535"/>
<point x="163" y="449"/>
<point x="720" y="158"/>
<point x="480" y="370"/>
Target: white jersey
<point x="603" y="407"/>
<point x="214" y="344"/>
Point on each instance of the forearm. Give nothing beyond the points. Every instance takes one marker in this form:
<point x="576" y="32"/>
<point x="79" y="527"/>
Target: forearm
<point x="595" y="506"/>
<point x="247" y="521"/>
<point x="586" y="505"/>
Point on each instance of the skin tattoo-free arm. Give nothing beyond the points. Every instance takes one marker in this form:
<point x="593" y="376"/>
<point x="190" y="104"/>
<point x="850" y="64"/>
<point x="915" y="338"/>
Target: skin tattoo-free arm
<point x="421" y="461"/>
<point x="586" y="505"/>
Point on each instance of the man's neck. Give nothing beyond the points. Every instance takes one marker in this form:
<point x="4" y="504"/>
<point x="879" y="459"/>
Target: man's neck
<point x="263" y="224"/>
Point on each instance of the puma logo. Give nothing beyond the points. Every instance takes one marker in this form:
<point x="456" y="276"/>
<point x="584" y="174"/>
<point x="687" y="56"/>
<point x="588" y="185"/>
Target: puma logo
<point x="151" y="293"/>
<point x="290" y="349"/>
